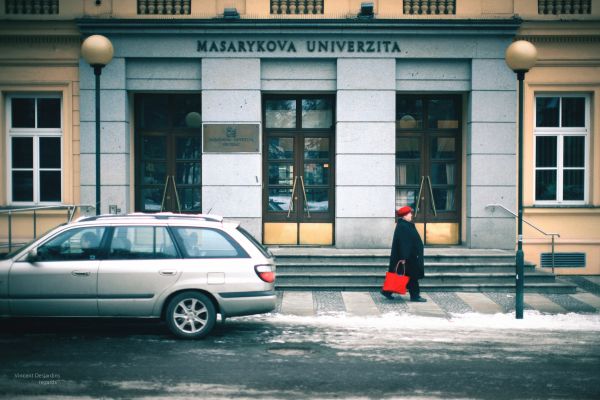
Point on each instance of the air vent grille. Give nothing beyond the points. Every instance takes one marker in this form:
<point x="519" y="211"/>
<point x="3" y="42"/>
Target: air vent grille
<point x="563" y="260"/>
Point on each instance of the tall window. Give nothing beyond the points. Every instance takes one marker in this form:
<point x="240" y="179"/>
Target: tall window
<point x="562" y="130"/>
<point x="34" y="149"/>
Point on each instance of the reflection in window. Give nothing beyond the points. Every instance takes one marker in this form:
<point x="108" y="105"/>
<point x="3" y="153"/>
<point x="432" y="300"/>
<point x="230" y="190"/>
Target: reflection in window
<point x="317" y="113"/>
<point x="206" y="243"/>
<point x="316" y="174"/>
<point x="73" y="245"/>
<point x="281" y="174"/>
<point x="407" y="148"/>
<point x="317" y="200"/>
<point x="409" y="113"/>
<point x="281" y="148"/>
<point x="442" y="114"/>
<point x="315" y="148"/>
<point x="406" y="197"/>
<point x="280" y="113"/>
<point x="141" y="243"/>
<point x="279" y="199"/>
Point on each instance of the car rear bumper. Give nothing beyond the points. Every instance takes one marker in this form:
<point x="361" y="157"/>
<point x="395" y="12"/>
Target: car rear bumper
<point x="234" y="304"/>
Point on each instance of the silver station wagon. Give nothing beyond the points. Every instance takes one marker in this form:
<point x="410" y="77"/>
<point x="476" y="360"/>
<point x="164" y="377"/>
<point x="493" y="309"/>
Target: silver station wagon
<point x="185" y="269"/>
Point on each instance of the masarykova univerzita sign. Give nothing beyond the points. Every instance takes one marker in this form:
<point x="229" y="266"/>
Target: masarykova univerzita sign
<point x="231" y="138"/>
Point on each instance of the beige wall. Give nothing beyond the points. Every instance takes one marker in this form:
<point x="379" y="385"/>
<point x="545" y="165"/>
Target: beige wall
<point x="44" y="60"/>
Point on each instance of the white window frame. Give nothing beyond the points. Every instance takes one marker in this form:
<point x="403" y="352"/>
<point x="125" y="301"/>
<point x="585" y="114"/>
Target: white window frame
<point x="34" y="133"/>
<point x="560" y="133"/>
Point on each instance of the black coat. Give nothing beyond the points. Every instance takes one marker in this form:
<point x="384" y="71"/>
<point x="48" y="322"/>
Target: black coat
<point x="407" y="245"/>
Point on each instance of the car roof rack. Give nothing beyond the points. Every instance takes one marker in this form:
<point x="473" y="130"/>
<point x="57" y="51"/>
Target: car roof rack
<point x="161" y="215"/>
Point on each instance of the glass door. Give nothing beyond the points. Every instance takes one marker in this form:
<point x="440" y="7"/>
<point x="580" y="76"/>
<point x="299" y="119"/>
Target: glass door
<point x="428" y="165"/>
<point x="168" y="153"/>
<point x="298" y="196"/>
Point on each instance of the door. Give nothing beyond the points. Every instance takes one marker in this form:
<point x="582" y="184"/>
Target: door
<point x="298" y="196"/>
<point x="428" y="165"/>
<point x="63" y="279"/>
<point x="168" y="149"/>
<point x="142" y="262"/>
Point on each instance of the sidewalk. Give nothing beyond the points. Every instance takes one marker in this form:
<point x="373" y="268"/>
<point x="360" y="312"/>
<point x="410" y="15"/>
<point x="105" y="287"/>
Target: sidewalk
<point x="441" y="304"/>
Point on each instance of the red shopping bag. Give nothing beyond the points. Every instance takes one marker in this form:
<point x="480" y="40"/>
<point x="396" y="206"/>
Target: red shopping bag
<point x="396" y="283"/>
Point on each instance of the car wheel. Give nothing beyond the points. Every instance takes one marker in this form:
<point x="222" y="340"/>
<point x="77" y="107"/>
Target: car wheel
<point x="191" y="315"/>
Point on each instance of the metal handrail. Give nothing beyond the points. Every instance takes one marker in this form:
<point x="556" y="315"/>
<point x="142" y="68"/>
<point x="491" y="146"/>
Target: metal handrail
<point x="71" y="209"/>
<point x="552" y="234"/>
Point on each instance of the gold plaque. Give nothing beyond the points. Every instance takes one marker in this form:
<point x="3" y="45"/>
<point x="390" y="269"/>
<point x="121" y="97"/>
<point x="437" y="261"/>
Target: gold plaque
<point x="231" y="138"/>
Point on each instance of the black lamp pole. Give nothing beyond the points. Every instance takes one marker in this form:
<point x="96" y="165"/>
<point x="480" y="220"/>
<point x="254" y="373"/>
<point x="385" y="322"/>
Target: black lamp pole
<point x="97" y="72"/>
<point x="520" y="258"/>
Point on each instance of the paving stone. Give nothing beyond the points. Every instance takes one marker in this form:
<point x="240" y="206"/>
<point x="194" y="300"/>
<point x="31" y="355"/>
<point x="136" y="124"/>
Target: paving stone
<point x="481" y="303"/>
<point x="543" y="304"/>
<point x="588" y="283"/>
<point x="428" y="309"/>
<point x="297" y="303"/>
<point x="571" y="303"/>
<point x="359" y="303"/>
<point x="397" y="304"/>
<point x="450" y="302"/>
<point x="589" y="299"/>
<point x="328" y="301"/>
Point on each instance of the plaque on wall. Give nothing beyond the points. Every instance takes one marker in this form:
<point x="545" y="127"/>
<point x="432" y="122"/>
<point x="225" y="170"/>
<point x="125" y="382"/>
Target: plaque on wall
<point x="231" y="138"/>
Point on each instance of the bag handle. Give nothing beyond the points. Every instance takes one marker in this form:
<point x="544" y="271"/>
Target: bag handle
<point x="403" y="262"/>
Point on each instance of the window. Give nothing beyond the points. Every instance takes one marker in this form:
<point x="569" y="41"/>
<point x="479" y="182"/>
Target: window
<point x="73" y="245"/>
<point x="34" y="149"/>
<point x="561" y="148"/>
<point x="141" y="243"/>
<point x="207" y="243"/>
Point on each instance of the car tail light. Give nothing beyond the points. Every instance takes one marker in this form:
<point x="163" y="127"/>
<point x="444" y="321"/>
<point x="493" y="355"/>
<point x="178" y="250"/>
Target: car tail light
<point x="265" y="272"/>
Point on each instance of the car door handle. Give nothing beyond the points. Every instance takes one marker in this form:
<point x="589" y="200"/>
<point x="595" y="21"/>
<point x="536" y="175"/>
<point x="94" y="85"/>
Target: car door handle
<point x="167" y="272"/>
<point x="81" y="273"/>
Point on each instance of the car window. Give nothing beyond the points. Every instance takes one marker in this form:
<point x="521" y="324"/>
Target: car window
<point x="207" y="243"/>
<point x="74" y="244"/>
<point x="141" y="242"/>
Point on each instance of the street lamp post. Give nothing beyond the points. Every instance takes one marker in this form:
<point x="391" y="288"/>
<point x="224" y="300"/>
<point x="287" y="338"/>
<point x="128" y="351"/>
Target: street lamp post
<point x="520" y="57"/>
<point x="97" y="51"/>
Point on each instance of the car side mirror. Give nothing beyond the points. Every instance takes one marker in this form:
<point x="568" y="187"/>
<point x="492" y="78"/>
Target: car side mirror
<point x="32" y="256"/>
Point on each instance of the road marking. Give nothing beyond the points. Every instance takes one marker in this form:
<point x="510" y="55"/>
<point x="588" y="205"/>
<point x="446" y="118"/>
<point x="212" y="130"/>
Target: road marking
<point x="297" y="303"/>
<point x="543" y="304"/>
<point x="480" y="303"/>
<point x="429" y="309"/>
<point x="588" y="298"/>
<point x="359" y="303"/>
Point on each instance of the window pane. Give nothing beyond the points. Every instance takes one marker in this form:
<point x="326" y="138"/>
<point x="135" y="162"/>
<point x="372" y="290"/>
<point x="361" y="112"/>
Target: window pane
<point x="409" y="113"/>
<point x="280" y="114"/>
<point x="155" y="111"/>
<point x="443" y="148"/>
<point x="573" y="184"/>
<point x="545" y="185"/>
<point x="154" y="147"/>
<point x="442" y="114"/>
<point x="408" y="174"/>
<point x="573" y="112"/>
<point x="546" y="111"/>
<point x="73" y="245"/>
<point x="316" y="174"/>
<point x="574" y="151"/>
<point x="281" y="174"/>
<point x="185" y="104"/>
<point x="443" y="174"/>
<point x="407" y="148"/>
<point x="444" y="199"/>
<point x="406" y="198"/>
<point x="49" y="152"/>
<point x="545" y="151"/>
<point x="188" y="148"/>
<point x="317" y="200"/>
<point x="48" y="113"/>
<point x="151" y="199"/>
<point x="22" y="185"/>
<point x="50" y="186"/>
<point x="23" y="113"/>
<point x="316" y="148"/>
<point x="188" y="173"/>
<point x="154" y="173"/>
<point x="206" y="243"/>
<point x="281" y="148"/>
<point x="317" y="113"/>
<point x="163" y="244"/>
<point x="279" y="199"/>
<point x="142" y="243"/>
<point x="189" y="198"/>
<point x="22" y="152"/>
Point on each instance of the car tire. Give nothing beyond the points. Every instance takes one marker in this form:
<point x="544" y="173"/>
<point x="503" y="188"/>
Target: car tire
<point x="191" y="315"/>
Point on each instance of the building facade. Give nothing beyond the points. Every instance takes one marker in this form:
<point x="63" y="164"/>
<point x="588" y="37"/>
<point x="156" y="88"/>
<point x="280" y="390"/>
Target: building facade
<point x="312" y="121"/>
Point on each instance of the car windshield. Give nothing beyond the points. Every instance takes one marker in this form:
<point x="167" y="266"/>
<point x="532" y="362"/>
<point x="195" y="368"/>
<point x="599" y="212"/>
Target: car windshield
<point x="266" y="252"/>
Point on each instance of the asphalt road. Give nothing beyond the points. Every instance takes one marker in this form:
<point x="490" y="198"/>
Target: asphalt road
<point x="278" y="356"/>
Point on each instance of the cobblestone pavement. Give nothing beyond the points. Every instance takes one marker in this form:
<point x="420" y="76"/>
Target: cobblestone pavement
<point x="441" y="304"/>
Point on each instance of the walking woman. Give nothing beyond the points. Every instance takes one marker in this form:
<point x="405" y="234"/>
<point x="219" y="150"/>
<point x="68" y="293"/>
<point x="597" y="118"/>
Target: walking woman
<point x="408" y="246"/>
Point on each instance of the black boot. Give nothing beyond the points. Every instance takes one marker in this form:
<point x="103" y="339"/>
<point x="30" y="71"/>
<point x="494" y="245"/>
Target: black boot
<point x="387" y="295"/>
<point x="418" y="299"/>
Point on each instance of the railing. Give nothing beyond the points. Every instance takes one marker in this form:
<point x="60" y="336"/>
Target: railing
<point x="32" y="7"/>
<point x="564" y="6"/>
<point x="552" y="234"/>
<point x="297" y="6"/>
<point x="164" y="7"/>
<point x="429" y="7"/>
<point x="70" y="208"/>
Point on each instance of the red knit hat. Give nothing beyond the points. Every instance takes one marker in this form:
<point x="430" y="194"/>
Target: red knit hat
<point x="402" y="211"/>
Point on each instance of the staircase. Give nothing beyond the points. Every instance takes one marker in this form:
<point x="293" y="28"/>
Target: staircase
<point x="453" y="269"/>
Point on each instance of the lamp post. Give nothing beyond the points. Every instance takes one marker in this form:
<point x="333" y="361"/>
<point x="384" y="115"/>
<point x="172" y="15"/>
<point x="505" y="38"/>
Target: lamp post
<point x="97" y="51"/>
<point x="520" y="57"/>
